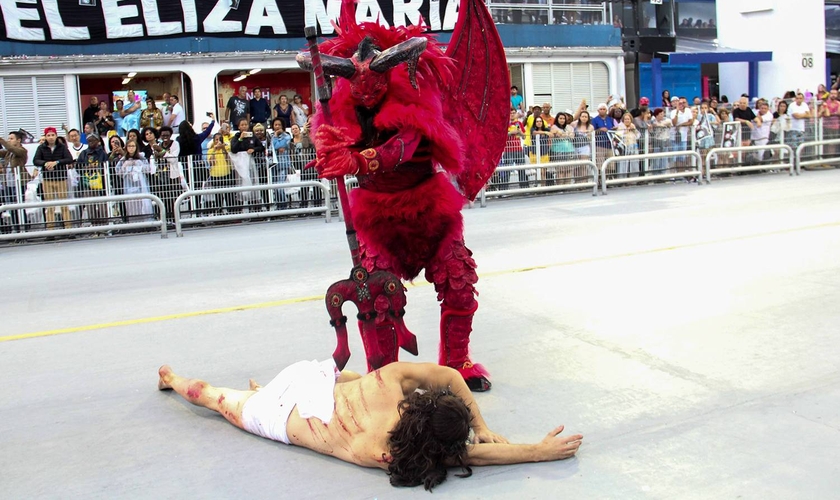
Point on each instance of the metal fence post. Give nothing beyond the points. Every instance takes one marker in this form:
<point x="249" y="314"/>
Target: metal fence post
<point x="109" y="191"/>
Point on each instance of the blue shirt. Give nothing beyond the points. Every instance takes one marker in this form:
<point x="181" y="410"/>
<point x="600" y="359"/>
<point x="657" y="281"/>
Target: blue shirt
<point x="516" y="101"/>
<point x="601" y="138"/>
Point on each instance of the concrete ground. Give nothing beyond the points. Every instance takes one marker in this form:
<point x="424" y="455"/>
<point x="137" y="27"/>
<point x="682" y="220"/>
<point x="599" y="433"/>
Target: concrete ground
<point x="690" y="333"/>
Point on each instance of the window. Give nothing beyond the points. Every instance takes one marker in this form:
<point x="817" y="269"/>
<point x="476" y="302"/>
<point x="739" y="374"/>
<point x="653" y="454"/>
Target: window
<point x="564" y="85"/>
<point x="33" y="103"/>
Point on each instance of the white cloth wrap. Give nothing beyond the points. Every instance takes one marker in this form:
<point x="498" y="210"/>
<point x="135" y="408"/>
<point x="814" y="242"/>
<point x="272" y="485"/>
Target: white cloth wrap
<point x="308" y="385"/>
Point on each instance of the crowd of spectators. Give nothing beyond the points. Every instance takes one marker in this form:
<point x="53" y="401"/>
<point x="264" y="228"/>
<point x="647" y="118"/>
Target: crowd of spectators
<point x="156" y="150"/>
<point x="537" y="134"/>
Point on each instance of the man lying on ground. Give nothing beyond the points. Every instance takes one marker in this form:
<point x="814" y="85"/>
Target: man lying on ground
<point x="377" y="420"/>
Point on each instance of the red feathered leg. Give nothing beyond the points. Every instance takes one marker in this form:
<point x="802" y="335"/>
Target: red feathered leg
<point x="386" y="335"/>
<point x="453" y="273"/>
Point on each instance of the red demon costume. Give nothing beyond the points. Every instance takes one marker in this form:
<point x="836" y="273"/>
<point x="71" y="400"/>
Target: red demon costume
<point x="409" y="132"/>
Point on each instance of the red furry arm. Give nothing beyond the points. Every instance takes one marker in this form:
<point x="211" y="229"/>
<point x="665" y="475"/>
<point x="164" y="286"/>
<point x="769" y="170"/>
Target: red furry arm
<point x="335" y="157"/>
<point x="396" y="150"/>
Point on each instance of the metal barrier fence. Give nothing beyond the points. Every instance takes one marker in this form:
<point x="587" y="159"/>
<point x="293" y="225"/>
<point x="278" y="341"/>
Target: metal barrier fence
<point x="627" y="178"/>
<point x="548" y="177"/>
<point x="821" y="159"/>
<point x="539" y="164"/>
<point x="34" y="221"/>
<point x="210" y="216"/>
<point x="760" y="163"/>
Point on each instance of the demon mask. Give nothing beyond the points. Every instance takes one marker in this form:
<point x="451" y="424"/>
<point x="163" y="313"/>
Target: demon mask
<point x="367" y="69"/>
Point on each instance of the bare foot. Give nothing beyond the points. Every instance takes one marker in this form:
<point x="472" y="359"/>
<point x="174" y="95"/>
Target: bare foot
<point x="165" y="372"/>
<point x="254" y="385"/>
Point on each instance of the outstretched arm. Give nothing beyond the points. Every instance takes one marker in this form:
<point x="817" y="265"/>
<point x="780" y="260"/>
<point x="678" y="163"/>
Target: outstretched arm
<point x="551" y="448"/>
<point x="337" y="158"/>
<point x="413" y="376"/>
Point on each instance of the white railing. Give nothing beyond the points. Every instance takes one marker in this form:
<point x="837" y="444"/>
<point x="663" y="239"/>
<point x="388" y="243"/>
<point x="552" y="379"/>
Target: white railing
<point x="714" y="153"/>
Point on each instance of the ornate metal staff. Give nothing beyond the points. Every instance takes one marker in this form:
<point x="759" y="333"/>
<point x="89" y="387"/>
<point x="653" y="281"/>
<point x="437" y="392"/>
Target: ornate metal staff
<point x="366" y="290"/>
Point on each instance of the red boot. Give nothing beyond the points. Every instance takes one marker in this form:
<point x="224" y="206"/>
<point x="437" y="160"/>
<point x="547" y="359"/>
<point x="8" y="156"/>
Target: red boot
<point x="455" y="328"/>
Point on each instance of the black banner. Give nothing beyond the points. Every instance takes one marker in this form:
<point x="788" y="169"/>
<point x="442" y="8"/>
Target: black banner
<point x="100" y="21"/>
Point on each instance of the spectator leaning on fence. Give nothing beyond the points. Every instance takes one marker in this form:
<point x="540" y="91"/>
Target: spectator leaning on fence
<point x="744" y="115"/>
<point x="562" y="147"/>
<point x="261" y="162"/>
<point x="761" y="133"/>
<point x="91" y="167"/>
<point x="221" y="175"/>
<point x="562" y="134"/>
<point x="800" y="113"/>
<point x="133" y="169"/>
<point x="53" y="158"/>
<point x="189" y="147"/>
<point x="630" y="136"/>
<point x="168" y="180"/>
<point x="14" y="160"/>
<point x="602" y="123"/>
<point x="682" y="119"/>
<point x="280" y="141"/>
<point x="781" y="122"/>
<point x="642" y="121"/>
<point x="116" y="152"/>
<point x="74" y="143"/>
<point x="583" y="134"/>
<point x="660" y="128"/>
<point x="513" y="153"/>
<point x="831" y="122"/>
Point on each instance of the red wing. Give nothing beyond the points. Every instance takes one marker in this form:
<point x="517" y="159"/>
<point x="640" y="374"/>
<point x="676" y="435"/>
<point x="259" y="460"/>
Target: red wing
<point x="479" y="104"/>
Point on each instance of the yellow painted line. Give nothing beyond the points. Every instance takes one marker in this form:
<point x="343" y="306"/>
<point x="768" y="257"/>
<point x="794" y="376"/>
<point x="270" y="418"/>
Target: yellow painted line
<point x="285" y="302"/>
<point x="155" y="319"/>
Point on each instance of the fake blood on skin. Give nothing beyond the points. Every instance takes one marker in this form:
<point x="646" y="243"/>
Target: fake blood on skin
<point x="362" y="397"/>
<point x="379" y="378"/>
<point x="194" y="391"/>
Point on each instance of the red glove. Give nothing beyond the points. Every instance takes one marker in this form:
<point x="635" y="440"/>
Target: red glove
<point x="334" y="157"/>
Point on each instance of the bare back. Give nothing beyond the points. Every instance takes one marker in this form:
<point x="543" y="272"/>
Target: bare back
<point x="365" y="411"/>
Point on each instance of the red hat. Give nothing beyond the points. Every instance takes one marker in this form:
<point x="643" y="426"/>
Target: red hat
<point x="50" y="129"/>
<point x="644" y="101"/>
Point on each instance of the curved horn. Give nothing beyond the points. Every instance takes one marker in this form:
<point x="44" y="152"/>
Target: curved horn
<point x="406" y="52"/>
<point x="333" y="66"/>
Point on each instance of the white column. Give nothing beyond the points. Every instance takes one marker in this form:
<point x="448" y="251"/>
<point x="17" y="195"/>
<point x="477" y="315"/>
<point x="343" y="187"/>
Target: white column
<point x="528" y="83"/>
<point x="204" y="97"/>
<point x="71" y="88"/>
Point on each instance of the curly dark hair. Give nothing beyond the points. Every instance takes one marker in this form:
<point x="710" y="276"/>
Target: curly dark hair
<point x="433" y="432"/>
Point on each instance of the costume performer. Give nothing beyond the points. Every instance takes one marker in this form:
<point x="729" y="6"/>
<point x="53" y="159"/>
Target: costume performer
<point x="409" y="132"/>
